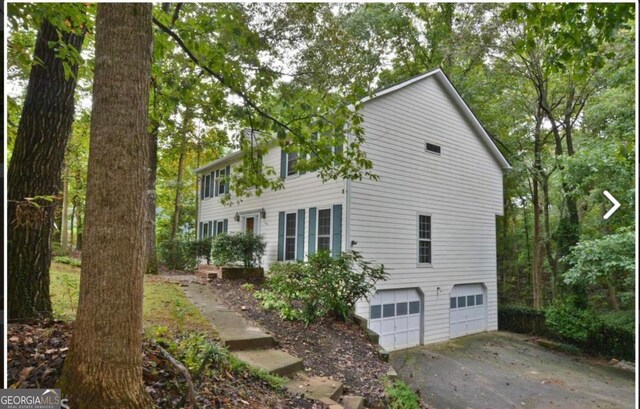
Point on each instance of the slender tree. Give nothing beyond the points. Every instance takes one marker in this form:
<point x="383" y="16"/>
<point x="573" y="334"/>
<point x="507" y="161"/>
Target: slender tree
<point x="104" y="365"/>
<point x="35" y="170"/>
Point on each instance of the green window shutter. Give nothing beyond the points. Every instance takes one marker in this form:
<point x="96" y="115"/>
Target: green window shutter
<point x="201" y="231"/>
<point x="281" y="236"/>
<point x="225" y="225"/>
<point x="202" y="180"/>
<point x="283" y="164"/>
<point x="227" y="173"/>
<point x="300" y="238"/>
<point x="215" y="228"/>
<point x="337" y="230"/>
<point x="312" y="230"/>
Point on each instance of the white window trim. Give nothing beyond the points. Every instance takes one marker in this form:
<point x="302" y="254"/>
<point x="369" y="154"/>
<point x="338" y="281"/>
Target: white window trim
<point x="296" y="173"/>
<point x="418" y="263"/>
<point x="295" y="237"/>
<point x="219" y="222"/>
<point x="330" y="208"/>
<point x="215" y="183"/>
<point x="221" y="173"/>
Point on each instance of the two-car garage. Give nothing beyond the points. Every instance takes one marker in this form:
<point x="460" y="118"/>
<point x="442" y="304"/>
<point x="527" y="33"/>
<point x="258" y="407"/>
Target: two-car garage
<point x="397" y="316"/>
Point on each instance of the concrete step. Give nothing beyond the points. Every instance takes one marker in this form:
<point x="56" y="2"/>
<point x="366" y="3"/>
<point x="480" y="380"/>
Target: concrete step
<point x="246" y="341"/>
<point x="352" y="402"/>
<point x="331" y="403"/>
<point x="316" y="387"/>
<point x="273" y="361"/>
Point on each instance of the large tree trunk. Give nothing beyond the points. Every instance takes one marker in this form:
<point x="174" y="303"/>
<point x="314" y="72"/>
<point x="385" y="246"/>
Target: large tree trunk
<point x="35" y="169"/>
<point x="152" y="257"/>
<point x="104" y="365"/>
<point x="538" y="241"/>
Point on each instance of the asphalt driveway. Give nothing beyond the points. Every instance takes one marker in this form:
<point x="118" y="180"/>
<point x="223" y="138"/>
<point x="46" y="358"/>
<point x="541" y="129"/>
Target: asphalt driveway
<point x="504" y="370"/>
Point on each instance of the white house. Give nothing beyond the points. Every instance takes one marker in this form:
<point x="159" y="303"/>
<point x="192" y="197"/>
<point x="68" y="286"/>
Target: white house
<point x="430" y="218"/>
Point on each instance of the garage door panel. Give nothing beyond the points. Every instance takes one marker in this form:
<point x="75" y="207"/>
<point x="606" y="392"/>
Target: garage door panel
<point x="467" y="310"/>
<point x="396" y="318"/>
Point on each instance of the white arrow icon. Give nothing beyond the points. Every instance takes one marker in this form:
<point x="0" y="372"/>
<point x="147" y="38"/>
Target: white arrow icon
<point x="616" y="204"/>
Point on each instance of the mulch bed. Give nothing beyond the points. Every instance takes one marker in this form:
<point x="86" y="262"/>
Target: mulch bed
<point x="36" y="352"/>
<point x="331" y="348"/>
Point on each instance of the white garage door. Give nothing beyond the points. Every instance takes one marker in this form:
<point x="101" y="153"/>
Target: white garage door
<point x="468" y="310"/>
<point x="395" y="316"/>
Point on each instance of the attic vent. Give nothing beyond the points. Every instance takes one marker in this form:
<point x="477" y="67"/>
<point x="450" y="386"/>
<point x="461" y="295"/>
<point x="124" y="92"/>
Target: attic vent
<point x="433" y="148"/>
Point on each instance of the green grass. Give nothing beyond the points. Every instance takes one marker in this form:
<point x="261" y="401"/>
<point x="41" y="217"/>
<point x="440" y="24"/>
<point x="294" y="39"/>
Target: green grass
<point x="165" y="304"/>
<point x="400" y="395"/>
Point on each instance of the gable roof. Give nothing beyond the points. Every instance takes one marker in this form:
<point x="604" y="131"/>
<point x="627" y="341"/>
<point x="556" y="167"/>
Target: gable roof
<point x="455" y="95"/>
<point x="451" y="90"/>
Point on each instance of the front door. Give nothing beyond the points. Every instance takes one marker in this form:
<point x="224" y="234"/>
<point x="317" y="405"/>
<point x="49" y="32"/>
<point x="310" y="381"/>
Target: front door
<point x="249" y="224"/>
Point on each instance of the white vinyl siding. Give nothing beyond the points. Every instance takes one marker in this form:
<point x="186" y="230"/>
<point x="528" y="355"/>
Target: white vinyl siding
<point x="304" y="191"/>
<point x="461" y="189"/>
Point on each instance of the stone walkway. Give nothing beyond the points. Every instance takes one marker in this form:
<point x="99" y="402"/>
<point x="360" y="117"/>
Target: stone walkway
<point x="257" y="348"/>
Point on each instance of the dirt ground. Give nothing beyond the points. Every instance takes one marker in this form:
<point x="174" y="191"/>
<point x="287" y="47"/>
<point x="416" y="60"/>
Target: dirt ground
<point x="339" y="350"/>
<point x="505" y="370"/>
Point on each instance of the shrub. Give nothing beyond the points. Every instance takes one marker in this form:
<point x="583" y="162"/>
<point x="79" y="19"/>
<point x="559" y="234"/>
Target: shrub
<point x="199" y="249"/>
<point x="521" y="319"/>
<point x="323" y="286"/>
<point x="184" y="254"/>
<point x="570" y="324"/>
<point x="246" y="248"/>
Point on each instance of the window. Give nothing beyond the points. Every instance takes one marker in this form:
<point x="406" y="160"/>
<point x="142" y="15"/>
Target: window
<point x="424" y="239"/>
<point x="433" y="148"/>
<point x="221" y="186"/>
<point x="376" y="311"/>
<point x="292" y="159"/>
<point x="414" y="307"/>
<point x="471" y="300"/>
<point x="324" y="229"/>
<point x="216" y="182"/>
<point x="205" y="230"/>
<point x="290" y="237"/>
<point x="466" y="301"/>
<point x="401" y="308"/>
<point x="207" y="185"/>
<point x="220" y="227"/>
<point x="388" y="310"/>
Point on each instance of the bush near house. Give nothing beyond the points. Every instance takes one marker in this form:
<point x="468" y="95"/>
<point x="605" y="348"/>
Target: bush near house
<point x="321" y="287"/>
<point x="246" y="248"/>
<point x="604" y="334"/>
<point x="183" y="254"/>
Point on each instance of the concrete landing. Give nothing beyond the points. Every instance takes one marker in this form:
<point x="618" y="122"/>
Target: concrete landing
<point x="316" y="387"/>
<point x="352" y="402"/>
<point x="234" y="331"/>
<point x="274" y="361"/>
